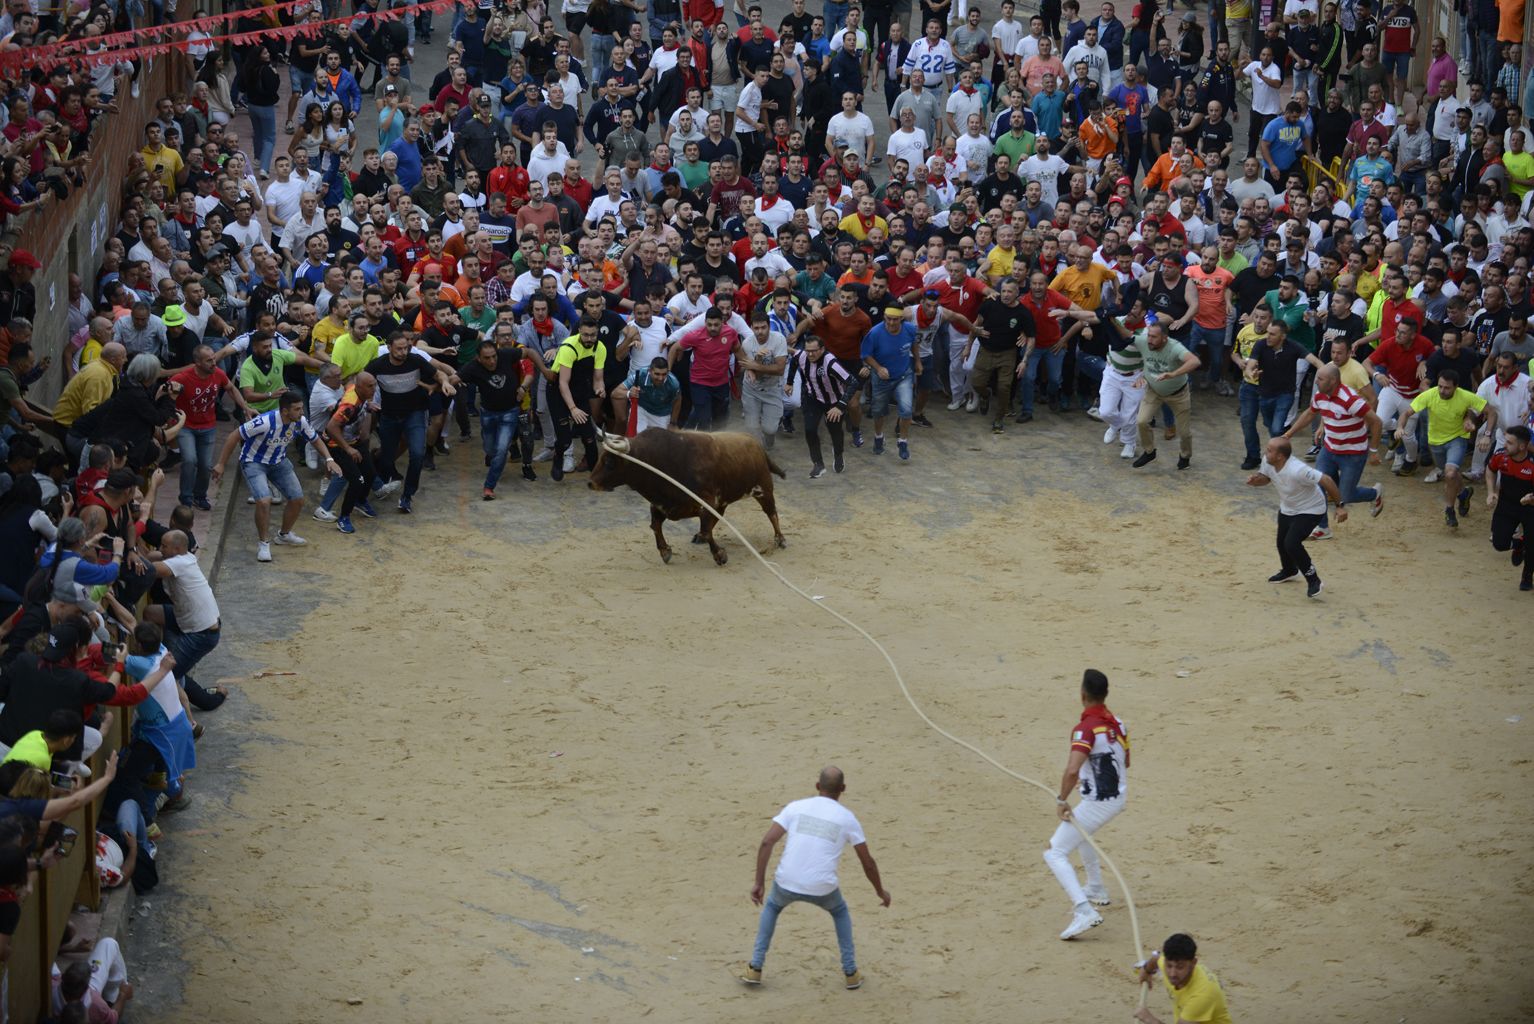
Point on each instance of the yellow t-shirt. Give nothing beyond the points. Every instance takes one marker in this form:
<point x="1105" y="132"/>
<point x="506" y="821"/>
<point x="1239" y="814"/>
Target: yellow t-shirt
<point x="1002" y="261"/>
<point x="1368" y="284"/>
<point x="1354" y="375"/>
<point x="1246" y="340"/>
<point x="32" y="749"/>
<point x="321" y="337"/>
<point x="1201" y="1000"/>
<point x="1083" y="287"/>
<point x="853" y="225"/>
<point x="351" y="356"/>
<point x="1446" y="416"/>
<point x="1238" y="9"/>
<point x="86" y="390"/>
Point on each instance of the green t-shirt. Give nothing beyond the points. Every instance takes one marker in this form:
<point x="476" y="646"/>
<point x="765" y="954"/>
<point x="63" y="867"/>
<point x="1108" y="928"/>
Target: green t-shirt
<point x="10" y="390"/>
<point x="1293" y="316"/>
<point x="1519" y="165"/>
<point x="1018" y="147"/>
<point x="694" y="175"/>
<point x="1163" y="360"/>
<point x="484" y="324"/>
<point x="1446" y="416"/>
<point x="1235" y="264"/>
<point x="252" y="377"/>
<point x="32" y="749"/>
<point x="820" y="291"/>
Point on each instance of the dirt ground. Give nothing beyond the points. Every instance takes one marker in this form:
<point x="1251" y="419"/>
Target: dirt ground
<point x="523" y="767"/>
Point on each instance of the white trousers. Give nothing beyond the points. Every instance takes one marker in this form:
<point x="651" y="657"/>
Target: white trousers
<point x="1392" y="402"/>
<point x="645" y="420"/>
<point x="958" y="366"/>
<point x="1089" y="815"/>
<point x="108" y="969"/>
<point x="1118" y="402"/>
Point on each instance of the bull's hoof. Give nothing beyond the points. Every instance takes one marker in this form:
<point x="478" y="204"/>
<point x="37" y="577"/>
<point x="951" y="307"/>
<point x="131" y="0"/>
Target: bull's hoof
<point x="721" y="556"/>
<point x="782" y="542"/>
<point x="698" y="538"/>
<point x="665" y="555"/>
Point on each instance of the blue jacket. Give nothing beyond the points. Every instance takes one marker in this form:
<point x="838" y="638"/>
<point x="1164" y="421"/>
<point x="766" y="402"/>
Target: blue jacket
<point x="1110" y="36"/>
<point x="349" y="92"/>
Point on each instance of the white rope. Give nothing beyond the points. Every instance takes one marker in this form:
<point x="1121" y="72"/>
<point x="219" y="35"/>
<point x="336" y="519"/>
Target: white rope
<point x="612" y="446"/>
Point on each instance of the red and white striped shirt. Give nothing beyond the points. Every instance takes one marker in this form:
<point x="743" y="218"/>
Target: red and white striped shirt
<point x="1342" y="415"/>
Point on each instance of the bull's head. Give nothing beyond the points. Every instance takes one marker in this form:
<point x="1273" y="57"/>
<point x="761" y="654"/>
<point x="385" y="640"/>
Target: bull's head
<point x="603" y="477"/>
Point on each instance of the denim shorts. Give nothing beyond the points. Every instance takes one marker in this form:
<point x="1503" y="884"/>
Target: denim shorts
<point x="261" y="478"/>
<point x="901" y="389"/>
<point x="1453" y="453"/>
<point x="300" y="81"/>
<point x="1398" y="64"/>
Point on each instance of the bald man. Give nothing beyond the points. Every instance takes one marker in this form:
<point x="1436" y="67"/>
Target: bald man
<point x="191" y="619"/>
<point x="817" y="828"/>
<point x="87" y="389"/>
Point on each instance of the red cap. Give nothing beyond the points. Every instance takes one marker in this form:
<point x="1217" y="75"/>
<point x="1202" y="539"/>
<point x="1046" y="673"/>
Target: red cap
<point x="23" y="258"/>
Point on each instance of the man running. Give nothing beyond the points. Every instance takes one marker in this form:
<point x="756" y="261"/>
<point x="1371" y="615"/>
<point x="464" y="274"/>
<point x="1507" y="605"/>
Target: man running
<point x="1510" y="496"/>
<point x="1347" y="437"/>
<point x="890" y="352"/>
<point x="1303" y="492"/>
<point x="1099" y="761"/>
<point x="817" y="829"/>
<point x="1452" y="413"/>
<point x="824" y="394"/>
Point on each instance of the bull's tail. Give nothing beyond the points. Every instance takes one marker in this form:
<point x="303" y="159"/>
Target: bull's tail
<point x="775" y="468"/>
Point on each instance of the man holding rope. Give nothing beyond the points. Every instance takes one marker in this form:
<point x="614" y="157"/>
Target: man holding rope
<point x="1196" y="993"/>
<point x="1099" y="761"/>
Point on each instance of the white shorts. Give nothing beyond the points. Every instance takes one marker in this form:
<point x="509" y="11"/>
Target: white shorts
<point x="645" y="420"/>
<point x="724" y="98"/>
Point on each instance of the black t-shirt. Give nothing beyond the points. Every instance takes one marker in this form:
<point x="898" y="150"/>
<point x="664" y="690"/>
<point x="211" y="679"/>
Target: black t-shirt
<point x="402" y="386"/>
<point x="1466" y="365"/>
<point x="711" y="274"/>
<point x="1485" y="327"/>
<point x="33" y="689"/>
<point x="1159" y="125"/>
<point x="1277" y="366"/>
<point x="1170" y="301"/>
<point x="498" y="387"/>
<point x="1005" y="325"/>
<point x="1348" y="328"/>
<point x="992" y="188"/>
<point x="1212" y="138"/>
<point x="1249" y="288"/>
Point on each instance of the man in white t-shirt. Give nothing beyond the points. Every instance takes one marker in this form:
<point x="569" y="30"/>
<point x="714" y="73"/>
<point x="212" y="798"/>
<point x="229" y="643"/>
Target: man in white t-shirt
<point x="817" y="829"/>
<point x="852" y="128"/>
<point x="1045" y="168"/>
<point x="909" y="143"/>
<point x="1303" y="492"/>
<point x="191" y="621"/>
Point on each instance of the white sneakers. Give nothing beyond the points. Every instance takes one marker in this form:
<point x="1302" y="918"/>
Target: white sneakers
<point x="569" y="462"/>
<point x="1128" y="451"/>
<point x="392" y="487"/>
<point x="1320" y="533"/>
<point x="544" y="456"/>
<point x="1433" y="477"/>
<point x="290" y="538"/>
<point x="1081" y="922"/>
<point x="324" y="515"/>
<point x="953" y="406"/>
<point x="1097" y="895"/>
<point x="263" y="552"/>
<point x="972" y="404"/>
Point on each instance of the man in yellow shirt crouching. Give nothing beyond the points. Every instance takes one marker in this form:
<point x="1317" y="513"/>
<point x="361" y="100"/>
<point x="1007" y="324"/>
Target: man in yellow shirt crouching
<point x="1196" y="993"/>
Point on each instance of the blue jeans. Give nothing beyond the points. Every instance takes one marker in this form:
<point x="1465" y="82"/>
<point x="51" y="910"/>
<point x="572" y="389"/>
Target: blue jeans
<point x="1212" y="340"/>
<point x="412" y="428"/>
<point x="1090" y="368"/>
<point x="710" y="406"/>
<point x="262" y="478"/>
<point x="1054" y="363"/>
<point x="1345" y="470"/>
<point x="1271" y="409"/>
<point x="196" y="461"/>
<point x="263" y="125"/>
<point x="832" y="903"/>
<point x="902" y="390"/>
<point x="496" y="430"/>
<point x="836" y="18"/>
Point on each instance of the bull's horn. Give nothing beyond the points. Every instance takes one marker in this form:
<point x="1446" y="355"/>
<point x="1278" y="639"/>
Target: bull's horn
<point x="617" y="442"/>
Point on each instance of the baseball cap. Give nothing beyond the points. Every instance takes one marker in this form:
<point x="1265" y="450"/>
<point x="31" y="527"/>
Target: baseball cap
<point x="63" y="639"/>
<point x="23" y="258"/>
<point x="390" y="88"/>
<point x="931" y="293"/>
<point x="174" y="316"/>
<point x="1123" y="181"/>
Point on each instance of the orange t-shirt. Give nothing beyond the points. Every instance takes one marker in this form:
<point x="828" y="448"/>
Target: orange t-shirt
<point x="1510" y="26"/>
<point x="843" y="335"/>
<point x="1097" y="141"/>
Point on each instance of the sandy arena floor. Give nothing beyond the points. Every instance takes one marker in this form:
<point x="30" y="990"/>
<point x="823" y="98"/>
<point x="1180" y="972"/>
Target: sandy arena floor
<point x="523" y="768"/>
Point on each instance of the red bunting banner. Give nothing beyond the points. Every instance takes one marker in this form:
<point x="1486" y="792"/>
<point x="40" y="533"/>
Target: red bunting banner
<point x="71" y="53"/>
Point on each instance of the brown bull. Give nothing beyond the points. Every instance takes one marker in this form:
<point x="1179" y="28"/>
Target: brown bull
<point x="719" y="468"/>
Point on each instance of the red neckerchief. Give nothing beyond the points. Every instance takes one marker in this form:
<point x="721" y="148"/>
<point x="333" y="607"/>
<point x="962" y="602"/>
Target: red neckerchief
<point x="769" y="203"/>
<point x="967" y="90"/>
<point x="546" y="328"/>
<point x="866" y="222"/>
<point x="1510" y="383"/>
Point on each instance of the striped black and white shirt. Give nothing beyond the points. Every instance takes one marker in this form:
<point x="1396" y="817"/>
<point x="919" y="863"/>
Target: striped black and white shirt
<point x="827" y="381"/>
